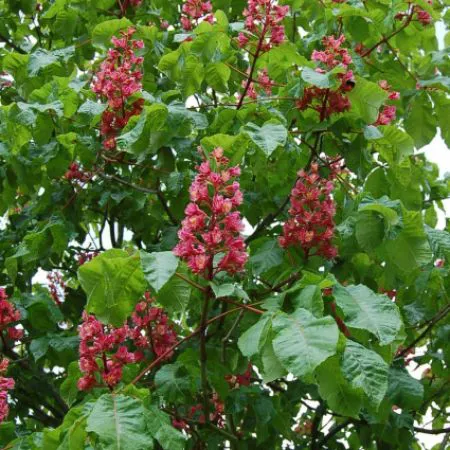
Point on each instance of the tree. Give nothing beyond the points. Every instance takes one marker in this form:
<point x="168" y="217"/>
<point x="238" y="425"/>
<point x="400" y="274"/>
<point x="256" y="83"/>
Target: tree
<point x="219" y="229"/>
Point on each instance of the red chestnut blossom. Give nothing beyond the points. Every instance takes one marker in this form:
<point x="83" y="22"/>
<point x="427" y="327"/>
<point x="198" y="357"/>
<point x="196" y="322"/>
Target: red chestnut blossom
<point x="193" y="11"/>
<point x="262" y="22"/>
<point x="235" y="381"/>
<point x="393" y="95"/>
<point x="386" y="116"/>
<point x="424" y="17"/>
<point x="75" y="173"/>
<point x="151" y="328"/>
<point x="439" y="263"/>
<point x="311" y="222"/>
<point x="85" y="257"/>
<point x="327" y="101"/>
<point x="6" y="384"/>
<point x="56" y="286"/>
<point x="104" y="350"/>
<point x="212" y="225"/>
<point x="118" y="79"/>
<point x="8" y="315"/>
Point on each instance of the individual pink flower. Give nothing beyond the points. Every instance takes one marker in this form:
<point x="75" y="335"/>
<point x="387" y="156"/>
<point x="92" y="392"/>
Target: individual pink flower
<point x="262" y="22"/>
<point x="194" y="11"/>
<point x="330" y="101"/>
<point x="9" y="315"/>
<point x="386" y="116"/>
<point x="210" y="239"/>
<point x="6" y="384"/>
<point x="311" y="222"/>
<point x="104" y="350"/>
<point x="423" y="17"/>
<point x="118" y="79"/>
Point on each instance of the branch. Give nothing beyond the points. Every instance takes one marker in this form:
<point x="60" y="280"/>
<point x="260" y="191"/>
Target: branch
<point x="427" y="431"/>
<point x="439" y="316"/>
<point x="164" y="204"/>
<point x="11" y="44"/>
<point x="315" y="427"/>
<point x="333" y="432"/>
<point x="203" y="352"/>
<point x="390" y="36"/>
<point x="127" y="183"/>
<point x="160" y="358"/>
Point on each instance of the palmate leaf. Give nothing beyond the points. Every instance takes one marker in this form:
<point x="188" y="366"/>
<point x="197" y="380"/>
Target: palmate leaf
<point x="302" y="341"/>
<point x="114" y="283"/>
<point x="366" y="310"/>
<point x="365" y="370"/>
<point x="119" y="423"/>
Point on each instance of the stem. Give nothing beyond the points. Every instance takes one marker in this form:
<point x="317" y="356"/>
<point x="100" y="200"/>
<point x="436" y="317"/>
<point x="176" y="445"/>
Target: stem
<point x="185" y="339"/>
<point x="333" y="432"/>
<point x="427" y="431"/>
<point x="339" y="321"/>
<point x="386" y="38"/>
<point x="439" y="316"/>
<point x="255" y="59"/>
<point x="192" y="283"/>
<point x="203" y="354"/>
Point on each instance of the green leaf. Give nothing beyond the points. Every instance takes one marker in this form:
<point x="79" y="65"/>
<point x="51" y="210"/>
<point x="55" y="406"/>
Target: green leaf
<point x="341" y="397"/>
<point x="69" y="389"/>
<point x="269" y="255"/>
<point x="366" y="99"/>
<point x="114" y="283"/>
<point x="229" y="290"/>
<point x="365" y="370"/>
<point x="159" y="425"/>
<point x="395" y="145"/>
<point x="365" y="310"/>
<point x="158" y="268"/>
<point x="420" y="122"/>
<point x="119" y="423"/>
<point x="217" y="75"/>
<point x="171" y="382"/>
<point x="104" y="31"/>
<point x="404" y="390"/>
<point x="268" y="137"/>
<point x="310" y="298"/>
<point x="253" y="340"/>
<point x="321" y="80"/>
<point x="302" y="342"/>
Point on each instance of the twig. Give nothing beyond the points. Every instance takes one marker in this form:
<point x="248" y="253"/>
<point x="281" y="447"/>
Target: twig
<point x="127" y="183"/>
<point x="12" y="45"/>
<point x="439" y="316"/>
<point x="333" y="432"/>
<point x="390" y="36"/>
<point x="436" y="431"/>
<point x="192" y="283"/>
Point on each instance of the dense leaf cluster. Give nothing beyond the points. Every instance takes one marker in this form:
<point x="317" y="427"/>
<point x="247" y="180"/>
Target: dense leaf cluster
<point x="301" y="349"/>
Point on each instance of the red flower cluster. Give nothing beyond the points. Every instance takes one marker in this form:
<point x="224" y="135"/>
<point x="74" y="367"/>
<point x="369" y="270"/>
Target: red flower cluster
<point x="311" y="224"/>
<point x="262" y="21"/>
<point x="8" y="316"/>
<point x="56" y="286"/>
<point x="422" y="16"/>
<point x="75" y="173"/>
<point x="118" y="79"/>
<point x="263" y="82"/>
<point x="196" y="413"/>
<point x="387" y="114"/>
<point x="212" y="225"/>
<point x="6" y="384"/>
<point x="151" y="328"/>
<point x="193" y="11"/>
<point x="235" y="381"/>
<point x="85" y="257"/>
<point x="104" y="350"/>
<point x="327" y="101"/>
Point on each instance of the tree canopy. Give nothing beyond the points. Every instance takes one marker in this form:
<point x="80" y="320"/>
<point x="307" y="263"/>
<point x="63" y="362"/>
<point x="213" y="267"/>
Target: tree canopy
<point x="219" y="227"/>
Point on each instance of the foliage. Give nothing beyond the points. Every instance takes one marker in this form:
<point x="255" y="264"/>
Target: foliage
<point x="276" y="146"/>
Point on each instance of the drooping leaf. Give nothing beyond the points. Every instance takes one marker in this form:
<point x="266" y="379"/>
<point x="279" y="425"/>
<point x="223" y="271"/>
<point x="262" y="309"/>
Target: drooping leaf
<point x="366" y="310"/>
<point x="158" y="268"/>
<point x="114" y="283"/>
<point x="302" y="342"/>
<point x="365" y="370"/>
